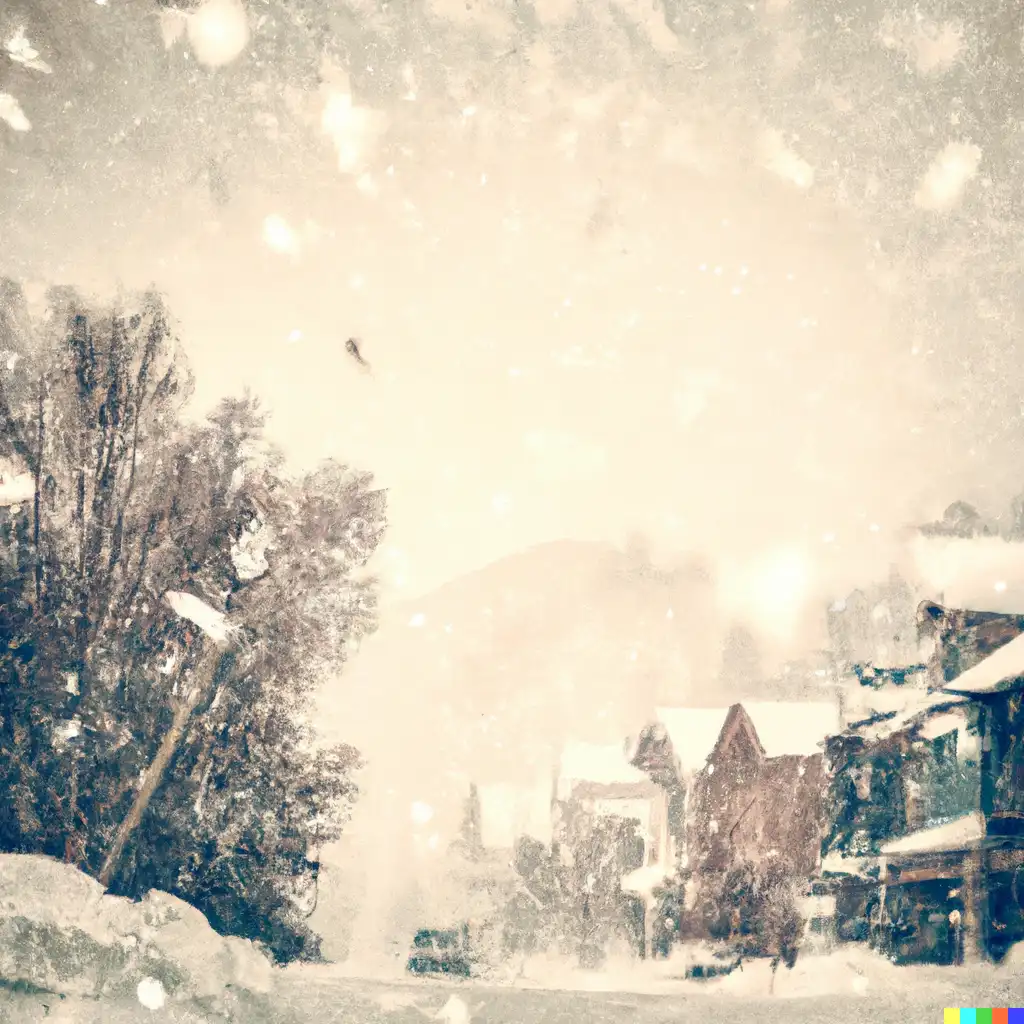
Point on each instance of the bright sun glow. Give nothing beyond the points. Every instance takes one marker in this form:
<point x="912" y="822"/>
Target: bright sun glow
<point x="770" y="592"/>
<point x="279" y="236"/>
<point x="421" y="813"/>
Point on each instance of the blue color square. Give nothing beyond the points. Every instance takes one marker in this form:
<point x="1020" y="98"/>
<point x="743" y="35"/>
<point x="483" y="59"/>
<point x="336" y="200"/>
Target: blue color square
<point x="1015" y="1015"/>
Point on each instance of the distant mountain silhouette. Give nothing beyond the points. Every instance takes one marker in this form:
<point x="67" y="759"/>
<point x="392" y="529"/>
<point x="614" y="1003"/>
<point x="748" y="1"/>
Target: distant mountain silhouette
<point x="490" y="672"/>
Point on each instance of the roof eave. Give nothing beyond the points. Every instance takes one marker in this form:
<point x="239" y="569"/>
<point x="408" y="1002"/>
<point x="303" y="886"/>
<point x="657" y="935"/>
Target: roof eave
<point x="988" y="690"/>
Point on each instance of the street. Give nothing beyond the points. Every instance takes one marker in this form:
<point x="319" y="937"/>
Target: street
<point x="405" y="1003"/>
<point x="318" y="996"/>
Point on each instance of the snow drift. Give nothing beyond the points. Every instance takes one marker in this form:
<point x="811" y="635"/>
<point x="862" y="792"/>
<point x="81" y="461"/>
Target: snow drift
<point x="61" y="932"/>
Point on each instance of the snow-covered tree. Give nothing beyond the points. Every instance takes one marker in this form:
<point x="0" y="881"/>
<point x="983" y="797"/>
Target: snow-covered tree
<point x="131" y="502"/>
<point x="594" y="908"/>
<point x="754" y="907"/>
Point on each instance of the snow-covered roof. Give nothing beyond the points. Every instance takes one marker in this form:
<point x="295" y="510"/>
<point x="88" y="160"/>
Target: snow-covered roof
<point x="643" y="881"/>
<point x="693" y="733"/>
<point x="983" y="574"/>
<point x="592" y="762"/>
<point x="943" y="724"/>
<point x="1001" y="670"/>
<point x="919" y="705"/>
<point x="952" y="835"/>
<point x="783" y="727"/>
<point x="16" y="488"/>
<point x="837" y="864"/>
<point x="791" y="727"/>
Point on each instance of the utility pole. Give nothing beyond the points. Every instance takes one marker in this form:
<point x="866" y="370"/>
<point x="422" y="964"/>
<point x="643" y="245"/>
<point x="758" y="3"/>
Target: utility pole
<point x="210" y="622"/>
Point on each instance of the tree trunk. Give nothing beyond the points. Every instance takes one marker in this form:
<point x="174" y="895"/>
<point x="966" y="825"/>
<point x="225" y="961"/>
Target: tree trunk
<point x="164" y="755"/>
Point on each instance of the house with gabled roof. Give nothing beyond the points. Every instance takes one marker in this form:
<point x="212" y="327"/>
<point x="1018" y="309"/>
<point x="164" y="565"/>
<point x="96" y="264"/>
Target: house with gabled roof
<point x="743" y="782"/>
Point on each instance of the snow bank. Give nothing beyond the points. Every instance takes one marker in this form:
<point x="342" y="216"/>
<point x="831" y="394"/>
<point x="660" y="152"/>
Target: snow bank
<point x="60" y="932"/>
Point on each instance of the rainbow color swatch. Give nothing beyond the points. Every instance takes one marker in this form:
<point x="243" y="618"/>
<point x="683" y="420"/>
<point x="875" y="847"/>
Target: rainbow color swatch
<point x="982" y="1015"/>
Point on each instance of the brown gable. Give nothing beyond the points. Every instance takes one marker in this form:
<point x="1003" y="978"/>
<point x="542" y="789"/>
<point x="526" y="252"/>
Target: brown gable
<point x="791" y="791"/>
<point x="738" y="738"/>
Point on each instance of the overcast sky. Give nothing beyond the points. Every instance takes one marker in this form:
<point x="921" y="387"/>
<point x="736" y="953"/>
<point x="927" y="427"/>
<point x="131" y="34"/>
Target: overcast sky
<point x="593" y="303"/>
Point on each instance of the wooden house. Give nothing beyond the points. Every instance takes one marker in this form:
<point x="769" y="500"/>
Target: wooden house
<point x="926" y="813"/>
<point x="743" y="783"/>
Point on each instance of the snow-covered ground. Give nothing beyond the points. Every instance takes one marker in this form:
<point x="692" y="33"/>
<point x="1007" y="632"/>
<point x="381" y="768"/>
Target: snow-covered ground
<point x="851" y="984"/>
<point x="158" y="960"/>
<point x="851" y="973"/>
<point x="848" y="985"/>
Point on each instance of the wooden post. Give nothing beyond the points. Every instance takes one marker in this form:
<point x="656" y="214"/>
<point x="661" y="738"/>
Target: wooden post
<point x="155" y="773"/>
<point x="975" y="917"/>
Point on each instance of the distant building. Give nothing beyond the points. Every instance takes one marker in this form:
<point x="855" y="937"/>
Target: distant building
<point x="599" y="780"/>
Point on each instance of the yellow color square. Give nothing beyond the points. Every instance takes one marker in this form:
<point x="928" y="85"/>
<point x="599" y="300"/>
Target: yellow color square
<point x="951" y="1015"/>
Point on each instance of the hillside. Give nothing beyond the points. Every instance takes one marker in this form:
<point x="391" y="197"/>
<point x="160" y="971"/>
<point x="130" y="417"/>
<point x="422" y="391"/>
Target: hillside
<point x="498" y="666"/>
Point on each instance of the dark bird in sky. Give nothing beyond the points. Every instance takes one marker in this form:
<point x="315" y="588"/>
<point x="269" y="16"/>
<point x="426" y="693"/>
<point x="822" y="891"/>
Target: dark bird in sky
<point x="352" y="348"/>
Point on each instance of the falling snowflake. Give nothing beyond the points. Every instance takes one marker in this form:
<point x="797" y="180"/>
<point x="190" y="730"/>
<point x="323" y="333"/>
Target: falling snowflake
<point x="11" y="112"/>
<point x="421" y="812"/>
<point x="218" y="32"/>
<point x="172" y="25"/>
<point x="151" y="994"/>
<point x="781" y="160"/>
<point x="16" y="488"/>
<point x="20" y="50"/>
<point x="278" y="234"/>
<point x="352" y="129"/>
<point x="943" y="184"/>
